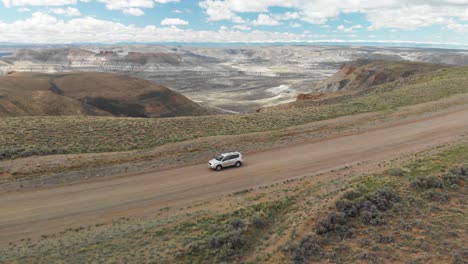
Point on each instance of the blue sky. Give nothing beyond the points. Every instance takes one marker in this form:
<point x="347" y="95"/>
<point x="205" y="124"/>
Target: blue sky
<point x="108" y="21"/>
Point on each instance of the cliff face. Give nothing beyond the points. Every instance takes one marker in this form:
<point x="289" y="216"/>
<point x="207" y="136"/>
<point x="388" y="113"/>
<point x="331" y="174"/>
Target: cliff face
<point x="362" y="75"/>
<point x="23" y="94"/>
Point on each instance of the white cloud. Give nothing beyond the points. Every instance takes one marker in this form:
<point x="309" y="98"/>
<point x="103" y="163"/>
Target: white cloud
<point x="295" y="25"/>
<point x="265" y="20"/>
<point x="459" y="28"/>
<point x="173" y="22"/>
<point x="69" y="11"/>
<point x="166" y="1"/>
<point x="133" y="11"/>
<point x="241" y="27"/>
<point x="408" y="14"/>
<point x="182" y="11"/>
<point x="217" y="10"/>
<point x="287" y="16"/>
<point x="11" y="3"/>
<point x="45" y="28"/>
<point x="133" y="7"/>
<point x="126" y="4"/>
<point x="348" y="29"/>
<point x="24" y="9"/>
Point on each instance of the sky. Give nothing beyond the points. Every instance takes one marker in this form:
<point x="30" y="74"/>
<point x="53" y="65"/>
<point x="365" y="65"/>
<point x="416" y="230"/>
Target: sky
<point x="225" y="21"/>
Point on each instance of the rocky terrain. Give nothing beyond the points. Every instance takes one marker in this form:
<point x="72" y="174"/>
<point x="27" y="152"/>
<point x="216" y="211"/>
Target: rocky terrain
<point x="360" y="78"/>
<point x="362" y="75"/>
<point x="233" y="79"/>
<point x="96" y="94"/>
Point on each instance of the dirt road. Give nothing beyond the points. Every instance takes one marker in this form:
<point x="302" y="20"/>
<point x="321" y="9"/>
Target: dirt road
<point x="31" y="213"/>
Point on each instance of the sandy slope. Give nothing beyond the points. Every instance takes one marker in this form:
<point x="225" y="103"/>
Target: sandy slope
<point x="31" y="213"/>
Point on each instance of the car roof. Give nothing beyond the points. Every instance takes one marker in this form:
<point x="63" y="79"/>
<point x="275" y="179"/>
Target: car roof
<point x="230" y="153"/>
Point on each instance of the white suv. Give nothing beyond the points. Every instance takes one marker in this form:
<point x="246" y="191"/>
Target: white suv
<point x="231" y="159"/>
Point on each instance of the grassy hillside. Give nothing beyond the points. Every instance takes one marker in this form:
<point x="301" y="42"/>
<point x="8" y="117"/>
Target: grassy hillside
<point x="26" y="136"/>
<point x="97" y="94"/>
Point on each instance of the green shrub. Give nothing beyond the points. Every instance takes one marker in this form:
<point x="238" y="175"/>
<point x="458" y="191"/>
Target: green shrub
<point x="462" y="170"/>
<point x="237" y="223"/>
<point x="436" y="196"/>
<point x="351" y="195"/>
<point x="336" y="222"/>
<point x="424" y="183"/>
<point x="373" y="217"/>
<point x="308" y="248"/>
<point x="258" y="222"/>
<point x="382" y="199"/>
<point x="384" y="239"/>
<point x="452" y="179"/>
<point x="349" y="208"/>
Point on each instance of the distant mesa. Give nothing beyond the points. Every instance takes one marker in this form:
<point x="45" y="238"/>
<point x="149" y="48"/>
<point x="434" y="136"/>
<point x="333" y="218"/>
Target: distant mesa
<point x="98" y="94"/>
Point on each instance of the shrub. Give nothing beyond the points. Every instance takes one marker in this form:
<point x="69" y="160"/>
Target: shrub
<point x="309" y="247"/>
<point x="372" y="205"/>
<point x="329" y="223"/>
<point x="231" y="240"/>
<point x="462" y="170"/>
<point x="258" y="222"/>
<point x="436" y="196"/>
<point x="452" y="179"/>
<point x="336" y="222"/>
<point x="384" y="239"/>
<point x="349" y="208"/>
<point x="351" y="195"/>
<point x="237" y="223"/>
<point x="373" y="217"/>
<point x="382" y="199"/>
<point x="345" y="231"/>
<point x="431" y="182"/>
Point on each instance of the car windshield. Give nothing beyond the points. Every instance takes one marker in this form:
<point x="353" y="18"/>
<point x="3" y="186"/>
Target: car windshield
<point x="220" y="158"/>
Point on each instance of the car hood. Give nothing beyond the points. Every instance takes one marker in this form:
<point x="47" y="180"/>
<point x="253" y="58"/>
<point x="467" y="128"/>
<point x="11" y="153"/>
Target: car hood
<point x="213" y="161"/>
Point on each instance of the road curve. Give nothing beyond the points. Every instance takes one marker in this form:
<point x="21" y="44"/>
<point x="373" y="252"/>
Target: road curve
<point x="36" y="212"/>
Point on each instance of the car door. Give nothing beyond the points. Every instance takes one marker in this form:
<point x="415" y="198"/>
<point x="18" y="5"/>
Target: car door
<point x="228" y="161"/>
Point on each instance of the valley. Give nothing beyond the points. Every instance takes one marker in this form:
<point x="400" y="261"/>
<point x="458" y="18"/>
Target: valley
<point x="230" y="79"/>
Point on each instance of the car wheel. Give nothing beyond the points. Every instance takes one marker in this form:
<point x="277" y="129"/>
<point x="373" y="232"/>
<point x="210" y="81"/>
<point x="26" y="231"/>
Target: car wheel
<point x="219" y="167"/>
<point x="238" y="164"/>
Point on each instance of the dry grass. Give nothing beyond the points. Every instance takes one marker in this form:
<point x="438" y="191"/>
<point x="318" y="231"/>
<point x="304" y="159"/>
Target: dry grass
<point x="405" y="224"/>
<point x="27" y="136"/>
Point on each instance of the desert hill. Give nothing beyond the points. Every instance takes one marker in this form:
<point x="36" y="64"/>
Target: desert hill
<point x="97" y="94"/>
<point x="364" y="74"/>
<point x="360" y="78"/>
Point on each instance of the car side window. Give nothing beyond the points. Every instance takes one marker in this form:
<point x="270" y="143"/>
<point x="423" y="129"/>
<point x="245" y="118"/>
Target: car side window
<point x="235" y="156"/>
<point x="227" y="158"/>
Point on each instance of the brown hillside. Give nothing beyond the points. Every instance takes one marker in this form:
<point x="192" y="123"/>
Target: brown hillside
<point x="359" y="79"/>
<point x="365" y="74"/>
<point x="23" y="94"/>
